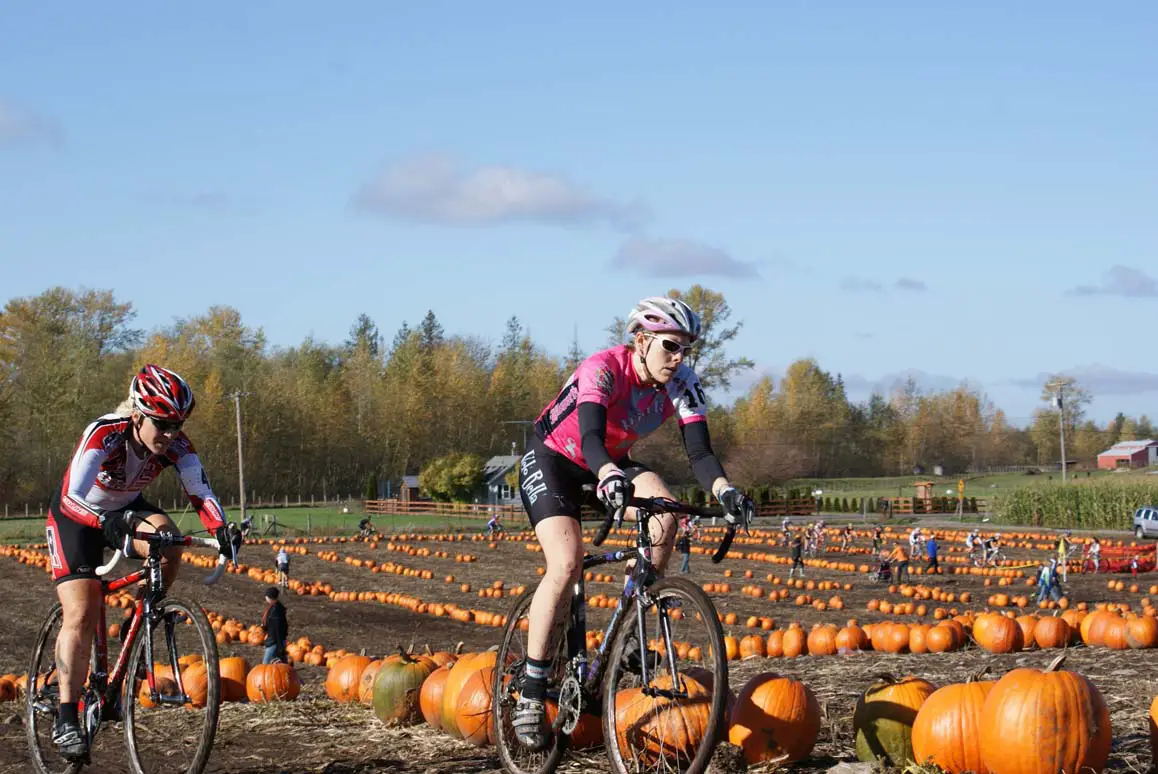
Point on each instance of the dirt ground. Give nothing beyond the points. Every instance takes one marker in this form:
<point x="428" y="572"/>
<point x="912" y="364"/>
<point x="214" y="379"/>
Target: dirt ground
<point x="315" y="735"/>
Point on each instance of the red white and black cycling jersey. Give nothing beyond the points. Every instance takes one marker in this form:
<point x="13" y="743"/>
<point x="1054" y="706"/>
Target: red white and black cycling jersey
<point x="106" y="475"/>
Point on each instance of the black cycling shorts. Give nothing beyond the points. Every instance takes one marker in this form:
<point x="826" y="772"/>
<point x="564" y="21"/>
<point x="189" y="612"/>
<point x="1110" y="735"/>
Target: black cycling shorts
<point x="75" y="550"/>
<point x="552" y="485"/>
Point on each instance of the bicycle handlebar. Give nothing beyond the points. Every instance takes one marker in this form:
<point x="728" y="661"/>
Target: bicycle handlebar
<point x="165" y="539"/>
<point x="667" y="505"/>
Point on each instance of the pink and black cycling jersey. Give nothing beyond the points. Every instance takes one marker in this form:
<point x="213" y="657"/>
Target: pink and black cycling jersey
<point x="105" y="474"/>
<point x="634" y="410"/>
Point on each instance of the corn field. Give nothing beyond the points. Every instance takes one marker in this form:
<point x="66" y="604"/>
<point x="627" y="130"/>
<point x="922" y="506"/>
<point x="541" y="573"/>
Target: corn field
<point x="1094" y="505"/>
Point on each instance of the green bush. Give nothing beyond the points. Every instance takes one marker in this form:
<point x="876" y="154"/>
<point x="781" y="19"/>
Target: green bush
<point x="371" y="490"/>
<point x="1093" y="505"/>
<point x="455" y="477"/>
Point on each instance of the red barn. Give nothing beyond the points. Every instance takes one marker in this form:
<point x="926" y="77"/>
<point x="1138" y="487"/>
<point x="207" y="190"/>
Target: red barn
<point x="1129" y="454"/>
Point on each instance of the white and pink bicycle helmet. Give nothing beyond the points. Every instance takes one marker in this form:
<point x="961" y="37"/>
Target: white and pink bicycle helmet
<point x="659" y="314"/>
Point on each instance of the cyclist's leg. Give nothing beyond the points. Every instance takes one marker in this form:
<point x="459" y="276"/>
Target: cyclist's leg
<point x="80" y="600"/>
<point x="550" y="488"/>
<point x="159" y="521"/>
<point x="75" y="551"/>
<point x="663" y="525"/>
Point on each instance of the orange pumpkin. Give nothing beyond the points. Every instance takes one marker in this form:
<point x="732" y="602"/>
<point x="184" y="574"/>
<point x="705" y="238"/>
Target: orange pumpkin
<point x="648" y="728"/>
<point x="234" y="671"/>
<point x="947" y="725"/>
<point x="473" y="712"/>
<point x="1042" y="722"/>
<point x="272" y="682"/>
<point x="1142" y="632"/>
<point x="998" y="634"/>
<point x="1051" y="632"/>
<point x="775" y="719"/>
<point x="459" y="674"/>
<point x="430" y="696"/>
<point x="342" y="679"/>
<point x="822" y="641"/>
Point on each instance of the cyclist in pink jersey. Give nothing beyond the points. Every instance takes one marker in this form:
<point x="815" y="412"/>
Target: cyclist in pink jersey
<point x="615" y="398"/>
<point x="99" y="504"/>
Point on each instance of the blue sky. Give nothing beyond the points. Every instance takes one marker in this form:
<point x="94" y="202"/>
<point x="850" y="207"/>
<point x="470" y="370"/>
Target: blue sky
<point x="965" y="192"/>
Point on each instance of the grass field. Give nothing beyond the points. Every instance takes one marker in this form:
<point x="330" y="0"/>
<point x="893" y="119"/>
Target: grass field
<point x="290" y="522"/>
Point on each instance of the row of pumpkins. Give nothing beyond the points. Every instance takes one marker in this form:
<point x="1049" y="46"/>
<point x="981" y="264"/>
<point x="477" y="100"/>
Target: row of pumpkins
<point x="1029" y="722"/>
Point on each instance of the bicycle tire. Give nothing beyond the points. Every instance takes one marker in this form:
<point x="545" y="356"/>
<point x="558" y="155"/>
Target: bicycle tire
<point x="36" y="704"/>
<point x="130" y="705"/>
<point x="717" y="721"/>
<point x="507" y="746"/>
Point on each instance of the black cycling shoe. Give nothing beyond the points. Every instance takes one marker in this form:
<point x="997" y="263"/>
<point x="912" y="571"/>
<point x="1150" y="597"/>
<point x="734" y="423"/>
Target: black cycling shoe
<point x="69" y="740"/>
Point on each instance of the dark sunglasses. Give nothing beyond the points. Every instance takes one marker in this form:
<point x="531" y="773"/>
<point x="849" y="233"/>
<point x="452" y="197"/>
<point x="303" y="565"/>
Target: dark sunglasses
<point x="165" y="426"/>
<point x="673" y="346"/>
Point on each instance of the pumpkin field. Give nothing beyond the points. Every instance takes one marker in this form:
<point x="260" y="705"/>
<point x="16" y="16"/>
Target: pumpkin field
<point x="367" y="619"/>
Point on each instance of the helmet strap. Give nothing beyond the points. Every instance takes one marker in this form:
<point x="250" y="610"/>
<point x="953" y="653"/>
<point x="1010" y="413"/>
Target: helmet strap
<point x="643" y="361"/>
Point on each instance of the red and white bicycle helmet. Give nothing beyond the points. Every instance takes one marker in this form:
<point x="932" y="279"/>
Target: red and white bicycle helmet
<point x="659" y="314"/>
<point x="161" y="394"/>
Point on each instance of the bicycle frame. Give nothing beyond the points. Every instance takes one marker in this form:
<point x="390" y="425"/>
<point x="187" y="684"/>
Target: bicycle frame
<point x="590" y="676"/>
<point x="107" y="686"/>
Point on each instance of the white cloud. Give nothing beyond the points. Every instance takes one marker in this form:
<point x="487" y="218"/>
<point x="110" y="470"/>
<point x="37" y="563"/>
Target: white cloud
<point x="19" y="126"/>
<point x="678" y="258"/>
<point x="1100" y="380"/>
<point x="1121" y="281"/>
<point x="912" y="285"/>
<point x="861" y="285"/>
<point x="437" y="189"/>
<point x="867" y="285"/>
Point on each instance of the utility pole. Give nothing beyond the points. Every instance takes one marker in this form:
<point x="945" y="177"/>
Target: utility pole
<point x="1059" y="403"/>
<point x="237" y="396"/>
<point x="525" y="423"/>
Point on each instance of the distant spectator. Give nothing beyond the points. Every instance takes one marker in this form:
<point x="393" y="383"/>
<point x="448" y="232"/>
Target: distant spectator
<point x="276" y="627"/>
<point x="1095" y="551"/>
<point x="684" y="546"/>
<point x="900" y="562"/>
<point x="282" y="567"/>
<point x="878" y="538"/>
<point x="797" y="557"/>
<point x="1048" y="582"/>
<point x="931" y="550"/>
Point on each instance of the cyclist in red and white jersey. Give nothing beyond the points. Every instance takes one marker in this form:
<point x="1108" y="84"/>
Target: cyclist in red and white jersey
<point x="99" y="503"/>
<point x="613" y="399"/>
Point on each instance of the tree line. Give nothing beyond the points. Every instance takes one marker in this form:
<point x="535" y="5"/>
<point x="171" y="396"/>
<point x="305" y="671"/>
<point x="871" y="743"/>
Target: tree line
<point x="327" y="418"/>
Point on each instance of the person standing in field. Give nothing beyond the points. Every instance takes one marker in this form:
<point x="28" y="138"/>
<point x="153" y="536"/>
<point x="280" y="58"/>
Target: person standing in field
<point x="276" y="627"/>
<point x="282" y="567"/>
<point x="797" y="556"/>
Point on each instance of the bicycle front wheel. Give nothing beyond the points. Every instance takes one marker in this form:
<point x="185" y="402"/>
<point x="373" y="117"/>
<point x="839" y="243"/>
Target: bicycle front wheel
<point x="645" y="731"/>
<point x="174" y="730"/>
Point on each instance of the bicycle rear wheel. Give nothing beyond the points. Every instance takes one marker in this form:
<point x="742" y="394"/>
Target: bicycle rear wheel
<point x="515" y="758"/>
<point x="652" y="733"/>
<point x="166" y="732"/>
<point x="42" y="699"/>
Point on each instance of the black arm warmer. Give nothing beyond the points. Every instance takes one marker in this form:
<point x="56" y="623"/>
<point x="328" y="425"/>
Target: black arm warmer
<point x="593" y="436"/>
<point x="698" y="445"/>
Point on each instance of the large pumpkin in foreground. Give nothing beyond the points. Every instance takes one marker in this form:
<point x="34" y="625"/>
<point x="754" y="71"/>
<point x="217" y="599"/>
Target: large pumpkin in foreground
<point x="884" y="716"/>
<point x="455" y="680"/>
<point x="1043" y="722"/>
<point x="397" y="686"/>
<point x="947" y="725"/>
<point x="649" y="728"/>
<point x="774" y="718"/>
